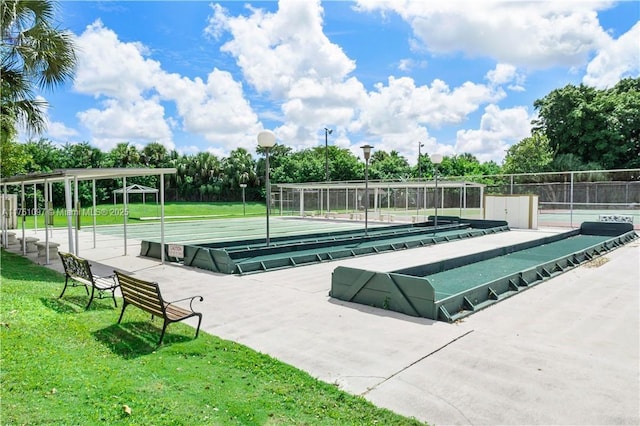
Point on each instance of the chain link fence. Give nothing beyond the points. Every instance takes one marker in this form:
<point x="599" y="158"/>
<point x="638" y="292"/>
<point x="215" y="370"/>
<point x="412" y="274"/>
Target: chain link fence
<point x="564" y="199"/>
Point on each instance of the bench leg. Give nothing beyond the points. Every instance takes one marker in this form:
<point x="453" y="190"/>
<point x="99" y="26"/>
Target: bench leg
<point x="198" y="329"/>
<point x="93" y="289"/>
<point x="124" y="305"/>
<point x="164" y="328"/>
<point x="66" y="281"/>
<point x="73" y="284"/>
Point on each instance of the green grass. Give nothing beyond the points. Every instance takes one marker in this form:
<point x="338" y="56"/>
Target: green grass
<point x="64" y="365"/>
<point x="110" y="214"/>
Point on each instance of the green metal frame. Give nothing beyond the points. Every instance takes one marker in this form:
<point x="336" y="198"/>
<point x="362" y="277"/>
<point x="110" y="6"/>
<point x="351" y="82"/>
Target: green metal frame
<point x="411" y="291"/>
<point x="250" y="256"/>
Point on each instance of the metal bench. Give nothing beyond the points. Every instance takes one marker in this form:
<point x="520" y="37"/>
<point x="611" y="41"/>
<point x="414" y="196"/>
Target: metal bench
<point x="78" y="271"/>
<point x="146" y="296"/>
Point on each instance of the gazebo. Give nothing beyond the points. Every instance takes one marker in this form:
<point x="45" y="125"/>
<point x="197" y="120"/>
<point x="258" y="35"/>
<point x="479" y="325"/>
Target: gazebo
<point x="135" y="189"/>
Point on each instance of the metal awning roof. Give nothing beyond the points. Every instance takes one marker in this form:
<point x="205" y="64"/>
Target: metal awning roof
<point x="69" y="176"/>
<point x="373" y="184"/>
<point x="136" y="189"/>
<point x="59" y="175"/>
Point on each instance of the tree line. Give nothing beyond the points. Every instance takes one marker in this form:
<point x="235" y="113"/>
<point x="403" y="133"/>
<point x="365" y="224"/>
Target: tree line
<point x="206" y="177"/>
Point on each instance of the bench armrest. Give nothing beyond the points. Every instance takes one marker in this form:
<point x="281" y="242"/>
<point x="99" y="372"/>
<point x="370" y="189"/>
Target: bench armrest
<point x="191" y="299"/>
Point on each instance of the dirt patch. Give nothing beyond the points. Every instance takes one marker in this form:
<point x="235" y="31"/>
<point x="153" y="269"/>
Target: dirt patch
<point x="596" y="263"/>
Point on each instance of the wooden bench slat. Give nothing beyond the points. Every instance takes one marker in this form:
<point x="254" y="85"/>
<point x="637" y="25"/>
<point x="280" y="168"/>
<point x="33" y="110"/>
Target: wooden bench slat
<point x="177" y="312"/>
<point x="146" y="296"/>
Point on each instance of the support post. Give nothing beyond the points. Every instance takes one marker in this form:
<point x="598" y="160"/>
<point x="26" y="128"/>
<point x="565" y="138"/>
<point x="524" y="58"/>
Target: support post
<point x="124" y="212"/>
<point x="69" y="212"/>
<point x="162" y="218"/>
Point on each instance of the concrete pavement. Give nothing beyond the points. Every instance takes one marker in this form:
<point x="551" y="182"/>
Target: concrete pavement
<point x="564" y="352"/>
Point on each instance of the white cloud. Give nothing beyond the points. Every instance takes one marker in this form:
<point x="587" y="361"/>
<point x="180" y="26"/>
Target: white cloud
<point x="499" y="129"/>
<point x="409" y="64"/>
<point x="287" y="56"/>
<point x="305" y="81"/>
<point x="138" y="122"/>
<point x="401" y="105"/>
<point x="401" y="113"/>
<point x="535" y="34"/>
<point x="109" y="67"/>
<point x="618" y="59"/>
<point x="215" y="109"/>
<point x="506" y="74"/>
<point x="314" y="105"/>
<point x="57" y="132"/>
<point x="188" y="149"/>
<point x="503" y="73"/>
<point x="60" y="132"/>
<point x="275" y="50"/>
<point x="137" y="90"/>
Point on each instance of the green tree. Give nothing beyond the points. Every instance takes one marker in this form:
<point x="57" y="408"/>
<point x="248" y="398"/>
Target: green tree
<point x="13" y="156"/>
<point x="490" y="168"/>
<point x="123" y="155"/>
<point x="44" y="156"/>
<point x="597" y="126"/>
<point x="344" y="165"/>
<point x="388" y="166"/>
<point x="531" y="155"/>
<point x="277" y="157"/>
<point x="625" y="119"/>
<point x="36" y="55"/>
<point x="154" y="155"/>
<point x="239" y="167"/>
<point x="81" y="156"/>
<point x="207" y="174"/>
<point x="571" y="162"/>
<point x="174" y="181"/>
<point x="461" y="165"/>
<point x="301" y="166"/>
<point x="308" y="165"/>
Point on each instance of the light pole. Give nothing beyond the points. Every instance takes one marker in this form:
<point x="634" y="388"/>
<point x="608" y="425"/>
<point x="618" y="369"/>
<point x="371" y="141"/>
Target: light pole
<point x="244" y="209"/>
<point x="266" y="139"/>
<point x="436" y="159"/>
<point x="327" y="132"/>
<point x="420" y="145"/>
<point x="366" y="149"/>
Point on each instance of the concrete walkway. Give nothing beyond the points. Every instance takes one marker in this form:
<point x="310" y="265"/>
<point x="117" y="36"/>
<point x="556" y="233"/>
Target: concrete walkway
<point x="566" y="351"/>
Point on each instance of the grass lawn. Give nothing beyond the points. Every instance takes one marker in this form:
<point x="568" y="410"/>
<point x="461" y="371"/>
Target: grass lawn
<point x="64" y="365"/>
<point x="109" y="214"/>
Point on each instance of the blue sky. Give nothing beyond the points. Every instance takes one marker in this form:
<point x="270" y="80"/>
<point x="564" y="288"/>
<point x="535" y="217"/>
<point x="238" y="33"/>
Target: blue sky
<point x="460" y="76"/>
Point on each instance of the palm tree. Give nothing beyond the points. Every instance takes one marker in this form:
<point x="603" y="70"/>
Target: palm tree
<point x="36" y="55"/>
<point x="239" y="168"/>
<point x="124" y="155"/>
<point x="154" y="154"/>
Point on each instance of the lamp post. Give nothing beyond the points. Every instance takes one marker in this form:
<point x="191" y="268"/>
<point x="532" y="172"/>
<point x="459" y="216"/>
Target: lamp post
<point x="366" y="149"/>
<point x="436" y="159"/>
<point x="327" y="132"/>
<point x="266" y="139"/>
<point x="420" y="145"/>
<point x="244" y="209"/>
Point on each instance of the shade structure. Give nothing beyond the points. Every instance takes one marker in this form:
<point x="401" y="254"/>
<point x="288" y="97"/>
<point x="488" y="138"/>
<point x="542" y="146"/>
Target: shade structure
<point x="73" y="176"/>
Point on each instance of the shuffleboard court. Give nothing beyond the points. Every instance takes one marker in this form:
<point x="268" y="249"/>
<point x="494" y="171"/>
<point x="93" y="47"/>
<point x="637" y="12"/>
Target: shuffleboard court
<point x="206" y="231"/>
<point x="300" y="248"/>
<point x="453" y="281"/>
<point x="452" y="289"/>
